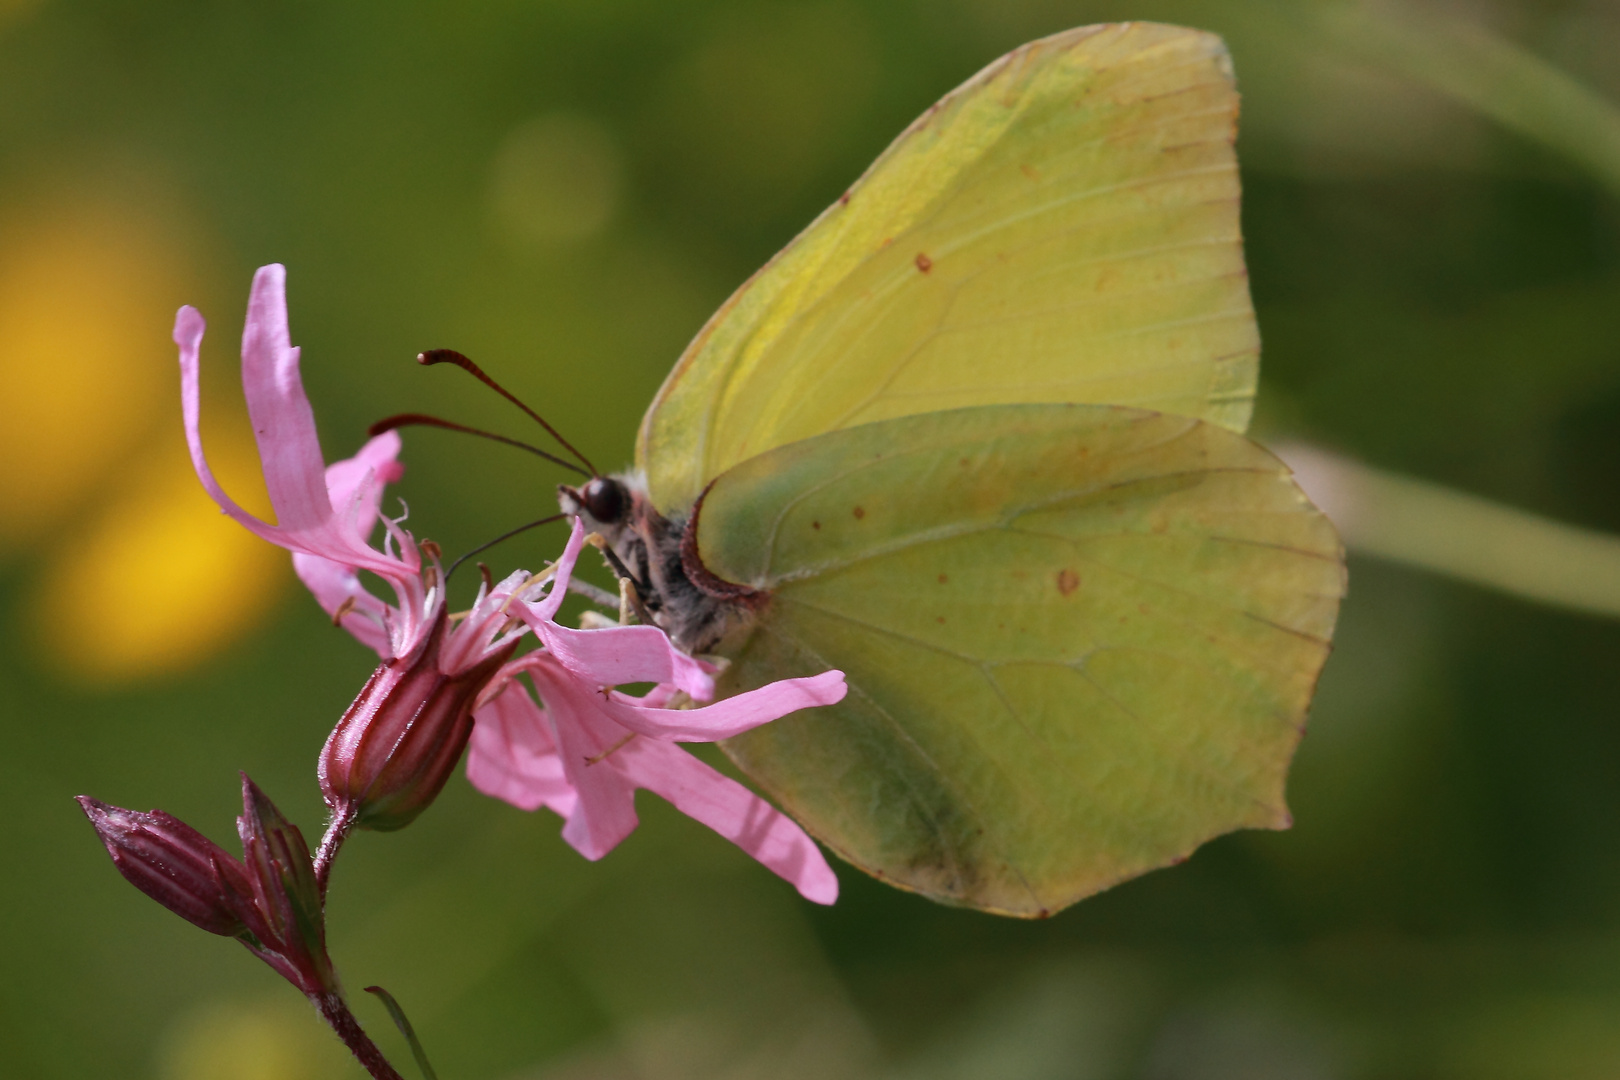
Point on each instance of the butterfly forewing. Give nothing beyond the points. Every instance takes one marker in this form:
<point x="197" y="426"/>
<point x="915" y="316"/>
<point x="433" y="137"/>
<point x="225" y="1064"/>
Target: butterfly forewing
<point x="1064" y="227"/>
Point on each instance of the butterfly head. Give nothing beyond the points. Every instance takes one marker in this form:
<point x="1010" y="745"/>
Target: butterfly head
<point x="606" y="504"/>
<point x="605" y="499"/>
<point x="614" y="507"/>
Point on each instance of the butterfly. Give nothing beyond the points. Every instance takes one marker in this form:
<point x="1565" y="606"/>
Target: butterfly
<point x="975" y="438"/>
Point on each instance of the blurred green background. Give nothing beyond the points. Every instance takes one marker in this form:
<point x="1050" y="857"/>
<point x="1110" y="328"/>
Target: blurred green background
<point x="564" y="189"/>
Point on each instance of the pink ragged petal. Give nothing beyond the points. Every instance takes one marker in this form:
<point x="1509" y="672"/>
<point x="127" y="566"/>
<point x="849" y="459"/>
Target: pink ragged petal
<point x="355" y="485"/>
<point x="626" y="654"/>
<point x="659" y="697"/>
<point x="604" y="760"/>
<point x="545" y="608"/>
<point x="188" y="334"/>
<point x="511" y="755"/>
<point x="734" y="715"/>
<point x="355" y="488"/>
<point x="731" y="810"/>
<point x="283" y="422"/>
<point x="333" y="584"/>
<point x="287" y="448"/>
<point x="586" y="740"/>
<point x="483" y="628"/>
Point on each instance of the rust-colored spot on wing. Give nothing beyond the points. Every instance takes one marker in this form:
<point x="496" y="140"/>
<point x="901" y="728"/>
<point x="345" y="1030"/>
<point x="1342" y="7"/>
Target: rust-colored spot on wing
<point x="943" y="579"/>
<point x="860" y="512"/>
<point x="1067" y="581"/>
<point x="924" y="263"/>
<point x="816" y="525"/>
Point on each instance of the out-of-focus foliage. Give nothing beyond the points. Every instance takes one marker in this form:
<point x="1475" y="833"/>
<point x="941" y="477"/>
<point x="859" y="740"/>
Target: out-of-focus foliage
<point x="564" y="190"/>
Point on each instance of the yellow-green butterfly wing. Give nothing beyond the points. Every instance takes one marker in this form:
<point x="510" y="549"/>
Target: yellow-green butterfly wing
<point x="974" y="436"/>
<point x="1079" y="640"/>
<point x="1061" y="228"/>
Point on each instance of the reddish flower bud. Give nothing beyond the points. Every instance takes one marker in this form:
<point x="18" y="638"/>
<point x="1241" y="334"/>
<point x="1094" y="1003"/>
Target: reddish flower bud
<point x="391" y="753"/>
<point x="174" y="864"/>
<point x="270" y="902"/>
<point x="287" y="913"/>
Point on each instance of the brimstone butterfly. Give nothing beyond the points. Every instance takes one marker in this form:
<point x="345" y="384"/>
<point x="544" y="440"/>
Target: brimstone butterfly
<point x="974" y="437"/>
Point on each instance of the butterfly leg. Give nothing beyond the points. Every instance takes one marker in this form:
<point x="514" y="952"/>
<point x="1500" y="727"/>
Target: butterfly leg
<point x="631" y="610"/>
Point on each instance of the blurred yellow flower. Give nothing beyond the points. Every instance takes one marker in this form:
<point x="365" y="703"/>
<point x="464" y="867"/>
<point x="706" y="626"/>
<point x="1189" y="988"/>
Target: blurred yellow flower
<point x="252" y="1040"/>
<point x="86" y="299"/>
<point x="11" y="10"/>
<point x="164" y="577"/>
<point x="97" y="479"/>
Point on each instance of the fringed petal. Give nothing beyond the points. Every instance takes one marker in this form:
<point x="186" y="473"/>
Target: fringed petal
<point x="189" y="326"/>
<point x="284" y="426"/>
<point x="626" y="654"/>
<point x="586" y="739"/>
<point x="283" y="422"/>
<point x="731" y="810"/>
<point x="545" y="609"/>
<point x="512" y="756"/>
<point x="336" y="586"/>
<point x="355" y="485"/>
<point x="734" y="715"/>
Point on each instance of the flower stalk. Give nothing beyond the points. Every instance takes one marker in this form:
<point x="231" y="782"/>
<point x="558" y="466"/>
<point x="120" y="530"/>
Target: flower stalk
<point x="335" y="1011"/>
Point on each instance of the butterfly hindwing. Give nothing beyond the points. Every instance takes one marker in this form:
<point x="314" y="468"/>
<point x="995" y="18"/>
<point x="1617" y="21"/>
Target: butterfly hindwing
<point x="1080" y="640"/>
<point x="1063" y="227"/>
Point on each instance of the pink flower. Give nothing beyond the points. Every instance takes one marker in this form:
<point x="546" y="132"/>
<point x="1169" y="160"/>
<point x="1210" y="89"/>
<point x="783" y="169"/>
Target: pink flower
<point x="394" y="747"/>
<point x="586" y="753"/>
<point x="590" y="748"/>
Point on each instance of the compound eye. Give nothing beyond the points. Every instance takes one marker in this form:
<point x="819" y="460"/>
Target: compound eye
<point x="605" y="500"/>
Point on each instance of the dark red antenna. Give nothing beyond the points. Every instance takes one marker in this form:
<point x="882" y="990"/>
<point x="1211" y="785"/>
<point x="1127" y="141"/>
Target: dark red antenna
<point x="424" y="420"/>
<point x="450" y="356"/>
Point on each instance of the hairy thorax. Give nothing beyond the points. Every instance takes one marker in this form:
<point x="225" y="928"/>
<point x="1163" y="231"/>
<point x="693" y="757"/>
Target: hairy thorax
<point x="700" y="612"/>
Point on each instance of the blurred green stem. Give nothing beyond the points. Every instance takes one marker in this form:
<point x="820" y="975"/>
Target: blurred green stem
<point x="1462" y="536"/>
<point x="1488" y="73"/>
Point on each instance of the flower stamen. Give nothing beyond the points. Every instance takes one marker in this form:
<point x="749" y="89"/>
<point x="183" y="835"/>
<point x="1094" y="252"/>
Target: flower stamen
<point x="604" y="755"/>
<point x="501" y="539"/>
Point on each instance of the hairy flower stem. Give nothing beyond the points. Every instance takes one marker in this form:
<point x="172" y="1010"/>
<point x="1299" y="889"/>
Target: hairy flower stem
<point x="336" y="832"/>
<point x="335" y="1011"/>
